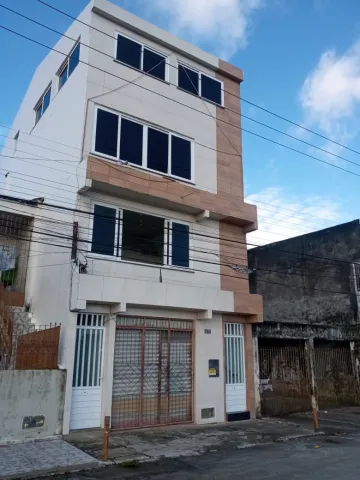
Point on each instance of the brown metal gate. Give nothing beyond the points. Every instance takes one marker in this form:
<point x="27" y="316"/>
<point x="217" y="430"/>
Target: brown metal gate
<point x="153" y="372"/>
<point x="335" y="376"/>
<point x="284" y="377"/>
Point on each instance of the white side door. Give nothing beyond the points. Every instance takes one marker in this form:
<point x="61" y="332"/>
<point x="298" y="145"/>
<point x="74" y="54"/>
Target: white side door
<point x="235" y="368"/>
<point x="86" y="391"/>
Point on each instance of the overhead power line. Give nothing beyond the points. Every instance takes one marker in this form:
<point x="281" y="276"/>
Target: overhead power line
<point x="229" y="259"/>
<point x="73" y="147"/>
<point x="196" y="234"/>
<point x="231" y="110"/>
<point x="197" y="260"/>
<point x="187" y="106"/>
<point x="226" y="91"/>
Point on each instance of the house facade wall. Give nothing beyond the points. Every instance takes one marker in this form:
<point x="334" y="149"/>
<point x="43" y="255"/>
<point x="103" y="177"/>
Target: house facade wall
<point x="210" y="292"/>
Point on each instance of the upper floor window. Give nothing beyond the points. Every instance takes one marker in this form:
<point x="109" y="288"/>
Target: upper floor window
<point x="69" y="66"/>
<point x="122" y="138"/>
<point x="357" y="276"/>
<point x="139" y="237"/>
<point x="198" y="83"/>
<point x="141" y="57"/>
<point x="42" y="104"/>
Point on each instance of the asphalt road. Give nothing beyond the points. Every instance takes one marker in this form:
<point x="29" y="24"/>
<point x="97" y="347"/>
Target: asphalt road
<point x="320" y="458"/>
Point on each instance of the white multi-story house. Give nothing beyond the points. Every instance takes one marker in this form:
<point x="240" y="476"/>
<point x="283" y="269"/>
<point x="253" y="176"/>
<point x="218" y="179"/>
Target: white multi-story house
<point x="136" y="135"/>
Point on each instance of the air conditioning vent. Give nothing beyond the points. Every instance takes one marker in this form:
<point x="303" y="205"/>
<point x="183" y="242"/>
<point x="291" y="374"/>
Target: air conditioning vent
<point x="207" y="413"/>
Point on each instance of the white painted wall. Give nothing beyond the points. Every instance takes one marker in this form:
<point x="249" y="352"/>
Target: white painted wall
<point x="57" y="137"/>
<point x="138" y="99"/>
<point x="111" y="280"/>
<point x="25" y="393"/>
<point x="209" y="391"/>
<point x="52" y="284"/>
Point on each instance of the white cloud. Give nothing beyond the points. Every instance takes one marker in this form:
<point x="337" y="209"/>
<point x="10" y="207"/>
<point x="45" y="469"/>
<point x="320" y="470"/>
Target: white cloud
<point x="330" y="95"/>
<point x="222" y="23"/>
<point x="282" y="216"/>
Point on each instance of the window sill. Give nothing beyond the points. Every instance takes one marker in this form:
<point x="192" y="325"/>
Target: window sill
<point x="110" y="258"/>
<point x="144" y="169"/>
<point x="141" y="72"/>
<point x="200" y="97"/>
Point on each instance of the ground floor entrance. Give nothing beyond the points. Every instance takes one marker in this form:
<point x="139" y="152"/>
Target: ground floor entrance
<point x="86" y="391"/>
<point x="153" y="372"/>
<point x="235" y="370"/>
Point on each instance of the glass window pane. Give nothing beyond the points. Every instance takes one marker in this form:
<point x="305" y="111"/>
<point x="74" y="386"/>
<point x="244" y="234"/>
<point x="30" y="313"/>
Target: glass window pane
<point x="188" y="80"/>
<point x="181" y="157"/>
<point x="74" y="59"/>
<point x="131" y="141"/>
<point x="63" y="77"/>
<point x="106" y="133"/>
<point x="38" y="113"/>
<point x="154" y="64"/>
<point x="128" y="52"/>
<point x="210" y="89"/>
<point x="46" y="101"/>
<point x="103" y="238"/>
<point x="180" y="244"/>
<point x="142" y="238"/>
<point x="158" y="150"/>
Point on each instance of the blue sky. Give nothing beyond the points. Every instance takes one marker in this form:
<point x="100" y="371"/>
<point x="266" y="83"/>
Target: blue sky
<point x="301" y="59"/>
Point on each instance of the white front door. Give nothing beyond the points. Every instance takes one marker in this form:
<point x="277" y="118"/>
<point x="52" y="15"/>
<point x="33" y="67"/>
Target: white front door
<point x="86" y="391"/>
<point x="235" y="368"/>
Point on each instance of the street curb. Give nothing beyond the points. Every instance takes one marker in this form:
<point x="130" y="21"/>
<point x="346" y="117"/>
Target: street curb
<point x="147" y="459"/>
<point x="55" y="471"/>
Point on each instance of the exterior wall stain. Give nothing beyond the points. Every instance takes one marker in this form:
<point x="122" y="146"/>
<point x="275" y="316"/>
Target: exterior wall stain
<point x="309" y="298"/>
<point x="305" y="292"/>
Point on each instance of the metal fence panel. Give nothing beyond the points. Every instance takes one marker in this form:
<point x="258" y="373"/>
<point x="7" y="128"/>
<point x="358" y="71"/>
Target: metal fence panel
<point x="335" y="378"/>
<point x="284" y="379"/>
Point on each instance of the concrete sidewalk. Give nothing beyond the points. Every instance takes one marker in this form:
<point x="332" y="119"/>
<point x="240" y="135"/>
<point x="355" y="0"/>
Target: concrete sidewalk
<point x="334" y="421"/>
<point x="36" y="458"/>
<point x="184" y="441"/>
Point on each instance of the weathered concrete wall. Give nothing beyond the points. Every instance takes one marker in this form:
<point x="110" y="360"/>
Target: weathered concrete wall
<point x="301" y="283"/>
<point x="31" y="404"/>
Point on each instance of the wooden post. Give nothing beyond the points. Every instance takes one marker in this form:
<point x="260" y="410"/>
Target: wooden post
<point x="106" y="438"/>
<point x="309" y="349"/>
<point x="256" y="377"/>
<point x="356" y="366"/>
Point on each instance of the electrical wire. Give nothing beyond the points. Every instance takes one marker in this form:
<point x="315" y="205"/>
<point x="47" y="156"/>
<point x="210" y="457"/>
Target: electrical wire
<point x="66" y="190"/>
<point x="225" y="91"/>
<point x="217" y="238"/>
<point x="192" y="269"/>
<point x="59" y="33"/>
<point x="188" y="106"/>
<point x="62" y="152"/>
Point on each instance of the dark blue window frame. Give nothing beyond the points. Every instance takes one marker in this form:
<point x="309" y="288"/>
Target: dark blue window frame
<point x="180" y="254"/>
<point x="42" y="105"/>
<point x="199" y="84"/>
<point x="71" y="63"/>
<point x="137" y="55"/>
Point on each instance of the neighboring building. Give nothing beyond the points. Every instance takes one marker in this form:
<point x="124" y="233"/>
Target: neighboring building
<point x="143" y="136"/>
<point x="311" y="289"/>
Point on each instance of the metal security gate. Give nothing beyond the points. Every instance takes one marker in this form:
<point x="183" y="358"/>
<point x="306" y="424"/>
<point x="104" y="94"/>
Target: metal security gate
<point x="153" y="372"/>
<point x="86" y="391"/>
<point x="334" y="374"/>
<point x="284" y="377"/>
<point x="235" y="368"/>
